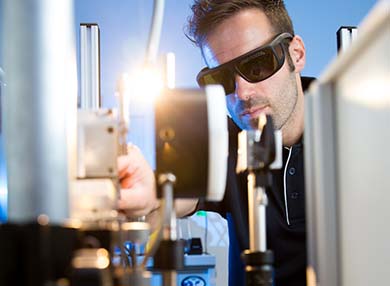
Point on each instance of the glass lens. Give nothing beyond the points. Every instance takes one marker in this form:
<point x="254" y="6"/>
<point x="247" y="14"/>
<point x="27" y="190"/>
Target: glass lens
<point x="259" y="65"/>
<point x="254" y="66"/>
<point x="225" y="77"/>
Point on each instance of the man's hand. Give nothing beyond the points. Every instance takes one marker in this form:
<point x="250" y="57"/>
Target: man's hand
<point x="138" y="192"/>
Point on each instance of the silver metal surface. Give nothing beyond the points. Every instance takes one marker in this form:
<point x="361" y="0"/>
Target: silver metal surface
<point x="252" y="213"/>
<point x="89" y="66"/>
<point x="169" y="221"/>
<point x="155" y="31"/>
<point x="257" y="202"/>
<point x="97" y="144"/>
<point x="136" y="232"/>
<point x="39" y="106"/>
<point x="345" y="36"/>
<point x="137" y="277"/>
<point x="321" y="196"/>
<point x="2" y="84"/>
<point x="345" y="39"/>
<point x="123" y="94"/>
<point x="261" y="204"/>
<point x="346" y="165"/>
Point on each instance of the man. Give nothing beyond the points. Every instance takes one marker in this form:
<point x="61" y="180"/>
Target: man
<point x="250" y="48"/>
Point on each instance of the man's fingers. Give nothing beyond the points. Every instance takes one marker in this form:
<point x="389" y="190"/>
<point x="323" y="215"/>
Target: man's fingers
<point x="138" y="194"/>
<point x="128" y="164"/>
<point x="123" y="166"/>
<point x="133" y="198"/>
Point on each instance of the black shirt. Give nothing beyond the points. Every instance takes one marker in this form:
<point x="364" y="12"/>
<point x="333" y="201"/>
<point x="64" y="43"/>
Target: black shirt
<point x="286" y="232"/>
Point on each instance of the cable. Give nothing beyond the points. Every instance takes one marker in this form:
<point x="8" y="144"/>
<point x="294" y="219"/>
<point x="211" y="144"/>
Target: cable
<point x="154" y="243"/>
<point x="206" y="229"/>
<point x="155" y="31"/>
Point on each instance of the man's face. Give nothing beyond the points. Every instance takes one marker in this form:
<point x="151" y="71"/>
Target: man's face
<point x="277" y="95"/>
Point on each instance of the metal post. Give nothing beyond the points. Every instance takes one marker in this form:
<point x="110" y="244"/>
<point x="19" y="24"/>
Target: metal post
<point x="345" y="36"/>
<point x="169" y="278"/>
<point x="90" y="66"/>
<point x="169" y="223"/>
<point x="262" y="202"/>
<point x="254" y="242"/>
<point x="256" y="155"/>
<point x="166" y="181"/>
<point x="39" y="106"/>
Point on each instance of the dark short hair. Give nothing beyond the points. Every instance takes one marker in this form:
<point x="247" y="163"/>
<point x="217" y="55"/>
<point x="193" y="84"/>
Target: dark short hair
<point x="207" y="14"/>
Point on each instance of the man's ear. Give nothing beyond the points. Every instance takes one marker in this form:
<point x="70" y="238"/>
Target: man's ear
<point x="298" y="53"/>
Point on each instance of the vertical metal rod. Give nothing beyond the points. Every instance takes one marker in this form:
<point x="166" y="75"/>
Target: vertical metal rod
<point x="257" y="202"/>
<point x="155" y="31"/>
<point x="1" y="87"/>
<point x="253" y="232"/>
<point x="124" y="116"/>
<point x="40" y="104"/>
<point x="169" y="223"/>
<point x="89" y="66"/>
<point x="261" y="204"/>
<point x="169" y="278"/>
<point x="345" y="36"/>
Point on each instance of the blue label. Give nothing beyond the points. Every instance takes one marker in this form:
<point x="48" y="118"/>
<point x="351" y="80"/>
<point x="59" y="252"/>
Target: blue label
<point x="193" y="281"/>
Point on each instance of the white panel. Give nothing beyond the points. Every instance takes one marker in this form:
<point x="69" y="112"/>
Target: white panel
<point x="218" y="142"/>
<point x="363" y="115"/>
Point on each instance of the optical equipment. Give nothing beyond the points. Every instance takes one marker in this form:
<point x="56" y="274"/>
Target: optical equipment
<point x="254" y="66"/>
<point x="259" y="151"/>
<point x="191" y="162"/>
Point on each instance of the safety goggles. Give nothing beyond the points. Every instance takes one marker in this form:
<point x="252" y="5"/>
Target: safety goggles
<point x="254" y="66"/>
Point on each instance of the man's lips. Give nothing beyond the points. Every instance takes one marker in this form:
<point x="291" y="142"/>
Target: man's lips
<point x="254" y="112"/>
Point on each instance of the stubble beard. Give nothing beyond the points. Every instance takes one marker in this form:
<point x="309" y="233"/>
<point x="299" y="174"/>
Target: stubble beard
<point x="282" y="104"/>
<point x="285" y="103"/>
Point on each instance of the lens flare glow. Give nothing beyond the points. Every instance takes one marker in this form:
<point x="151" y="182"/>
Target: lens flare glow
<point x="145" y="85"/>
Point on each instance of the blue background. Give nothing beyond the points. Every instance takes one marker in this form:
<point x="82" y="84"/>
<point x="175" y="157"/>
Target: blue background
<point x="124" y="27"/>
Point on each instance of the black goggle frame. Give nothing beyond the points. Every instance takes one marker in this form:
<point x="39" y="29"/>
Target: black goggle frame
<point x="225" y="73"/>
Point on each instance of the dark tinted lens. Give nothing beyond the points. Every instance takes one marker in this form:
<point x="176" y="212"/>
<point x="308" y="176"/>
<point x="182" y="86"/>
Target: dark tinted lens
<point x="223" y="76"/>
<point x="259" y="66"/>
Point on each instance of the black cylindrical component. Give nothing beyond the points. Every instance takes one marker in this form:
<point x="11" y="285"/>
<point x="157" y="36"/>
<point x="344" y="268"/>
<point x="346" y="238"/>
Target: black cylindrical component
<point x="98" y="238"/>
<point x="169" y="256"/>
<point x="35" y="255"/>
<point x="263" y="178"/>
<point x="182" y="141"/>
<point x="90" y="277"/>
<point x="258" y="268"/>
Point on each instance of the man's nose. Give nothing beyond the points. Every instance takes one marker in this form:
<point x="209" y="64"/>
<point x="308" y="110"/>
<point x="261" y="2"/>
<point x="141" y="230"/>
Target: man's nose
<point x="244" y="89"/>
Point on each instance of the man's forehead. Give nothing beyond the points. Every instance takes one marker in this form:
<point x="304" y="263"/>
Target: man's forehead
<point x="235" y="36"/>
<point x="215" y="55"/>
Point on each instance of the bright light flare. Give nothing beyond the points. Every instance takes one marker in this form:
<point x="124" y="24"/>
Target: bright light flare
<point x="145" y="85"/>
